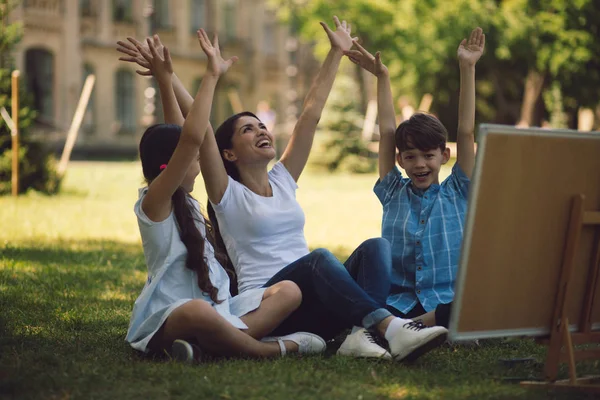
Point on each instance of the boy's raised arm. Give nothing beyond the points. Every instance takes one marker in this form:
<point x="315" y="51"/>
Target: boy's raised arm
<point x="469" y="51"/>
<point x="385" y="105"/>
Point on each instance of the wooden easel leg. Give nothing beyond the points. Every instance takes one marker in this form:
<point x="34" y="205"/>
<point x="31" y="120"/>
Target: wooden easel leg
<point x="560" y="335"/>
<point x="585" y="324"/>
<point x="558" y="318"/>
<point x="569" y="349"/>
<point x="553" y="356"/>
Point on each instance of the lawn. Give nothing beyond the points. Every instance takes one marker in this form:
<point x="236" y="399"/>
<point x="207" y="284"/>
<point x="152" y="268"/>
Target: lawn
<point x="71" y="267"/>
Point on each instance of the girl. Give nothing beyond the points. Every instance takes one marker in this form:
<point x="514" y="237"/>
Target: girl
<point x="262" y="226"/>
<point x="187" y="292"/>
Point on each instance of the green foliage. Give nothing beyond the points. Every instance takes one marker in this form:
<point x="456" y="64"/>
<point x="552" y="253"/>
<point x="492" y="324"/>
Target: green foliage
<point x="554" y="104"/>
<point x="37" y="166"/>
<point x="341" y="124"/>
<point x="418" y="41"/>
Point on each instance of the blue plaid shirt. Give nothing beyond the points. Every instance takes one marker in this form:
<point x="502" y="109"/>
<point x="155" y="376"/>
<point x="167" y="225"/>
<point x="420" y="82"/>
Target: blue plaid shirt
<point x="425" y="229"/>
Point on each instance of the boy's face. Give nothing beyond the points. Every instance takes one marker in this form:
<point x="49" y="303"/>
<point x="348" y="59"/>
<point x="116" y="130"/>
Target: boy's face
<point x="423" y="167"/>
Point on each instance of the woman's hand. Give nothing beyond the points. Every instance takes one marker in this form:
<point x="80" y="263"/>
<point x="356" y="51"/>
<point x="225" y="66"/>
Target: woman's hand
<point x="216" y="66"/>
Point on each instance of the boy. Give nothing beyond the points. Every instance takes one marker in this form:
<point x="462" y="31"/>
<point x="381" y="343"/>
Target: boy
<point x="423" y="219"/>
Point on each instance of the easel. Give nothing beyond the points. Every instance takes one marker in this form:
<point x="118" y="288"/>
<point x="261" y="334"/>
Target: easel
<point x="560" y="335"/>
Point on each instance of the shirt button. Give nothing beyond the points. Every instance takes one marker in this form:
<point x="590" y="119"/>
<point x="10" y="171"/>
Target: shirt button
<point x="419" y="268"/>
<point x="418" y="292"/>
<point x="418" y="242"/>
<point x="422" y="221"/>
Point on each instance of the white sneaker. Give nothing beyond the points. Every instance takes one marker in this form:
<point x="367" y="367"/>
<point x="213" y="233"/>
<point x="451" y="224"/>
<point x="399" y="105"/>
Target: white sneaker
<point x="360" y="343"/>
<point x="182" y="351"/>
<point x="308" y="343"/>
<point x="414" y="339"/>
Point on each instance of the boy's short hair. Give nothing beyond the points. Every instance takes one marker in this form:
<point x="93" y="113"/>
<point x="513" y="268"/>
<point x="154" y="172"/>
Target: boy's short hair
<point x="421" y="131"/>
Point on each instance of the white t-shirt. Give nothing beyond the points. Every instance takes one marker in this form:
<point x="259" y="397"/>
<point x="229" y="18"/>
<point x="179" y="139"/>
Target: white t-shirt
<point x="171" y="284"/>
<point x="262" y="234"/>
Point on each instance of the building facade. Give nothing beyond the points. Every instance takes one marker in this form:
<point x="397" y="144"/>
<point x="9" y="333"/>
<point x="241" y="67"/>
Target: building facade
<point x="66" y="40"/>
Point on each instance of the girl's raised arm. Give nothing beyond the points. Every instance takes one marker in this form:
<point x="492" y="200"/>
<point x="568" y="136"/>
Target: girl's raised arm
<point x="158" y="198"/>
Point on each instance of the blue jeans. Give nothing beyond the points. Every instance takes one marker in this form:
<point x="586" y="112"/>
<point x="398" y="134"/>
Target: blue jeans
<point x="336" y="296"/>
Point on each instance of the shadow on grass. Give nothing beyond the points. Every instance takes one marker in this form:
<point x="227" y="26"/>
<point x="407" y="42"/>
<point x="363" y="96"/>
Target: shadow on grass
<point x="65" y="310"/>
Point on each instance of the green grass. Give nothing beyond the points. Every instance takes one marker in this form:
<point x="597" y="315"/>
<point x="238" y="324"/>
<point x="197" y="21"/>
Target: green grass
<point x="71" y="267"/>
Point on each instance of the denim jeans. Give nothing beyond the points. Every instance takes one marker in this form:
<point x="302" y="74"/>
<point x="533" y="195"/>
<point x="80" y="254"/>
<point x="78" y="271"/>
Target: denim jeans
<point x="336" y="296"/>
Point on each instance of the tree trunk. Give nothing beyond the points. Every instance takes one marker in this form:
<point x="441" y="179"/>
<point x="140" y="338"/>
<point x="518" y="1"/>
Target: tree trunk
<point x="364" y="97"/>
<point x="533" y="88"/>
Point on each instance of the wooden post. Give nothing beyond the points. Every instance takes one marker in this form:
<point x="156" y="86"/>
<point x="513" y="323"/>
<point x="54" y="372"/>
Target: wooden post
<point x="76" y="123"/>
<point x="15" y="133"/>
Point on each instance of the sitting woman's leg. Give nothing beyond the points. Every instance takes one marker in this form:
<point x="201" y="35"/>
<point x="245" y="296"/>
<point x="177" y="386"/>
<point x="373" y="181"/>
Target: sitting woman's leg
<point x="278" y="302"/>
<point x="336" y="293"/>
<point x="198" y="320"/>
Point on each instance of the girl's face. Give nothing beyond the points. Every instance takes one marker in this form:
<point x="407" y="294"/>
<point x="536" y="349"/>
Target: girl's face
<point x="190" y="176"/>
<point x="251" y="143"/>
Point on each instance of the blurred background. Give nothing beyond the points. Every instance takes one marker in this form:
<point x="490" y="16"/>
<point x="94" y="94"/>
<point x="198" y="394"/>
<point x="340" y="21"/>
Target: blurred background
<point x="541" y="67"/>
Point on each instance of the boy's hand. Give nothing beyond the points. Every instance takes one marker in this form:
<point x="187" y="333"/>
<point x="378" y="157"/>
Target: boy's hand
<point x="366" y="60"/>
<point x="340" y="39"/>
<point x="217" y="66"/>
<point x="469" y="51"/>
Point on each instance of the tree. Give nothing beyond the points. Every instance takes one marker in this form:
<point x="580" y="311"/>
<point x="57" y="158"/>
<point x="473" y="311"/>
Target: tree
<point x="532" y="46"/>
<point x="36" y="163"/>
<point x="341" y="130"/>
<point x="558" y="42"/>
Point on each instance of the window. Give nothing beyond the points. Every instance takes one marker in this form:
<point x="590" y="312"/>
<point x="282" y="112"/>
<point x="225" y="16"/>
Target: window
<point x="229" y="20"/>
<point x="125" y="100"/>
<point x="269" y="44"/>
<point x="222" y="107"/>
<point x="197" y="15"/>
<point x="87" y="8"/>
<point x="214" y="111"/>
<point x="161" y="14"/>
<point x="159" y="112"/>
<point x="39" y="66"/>
<point x="89" y="118"/>
<point x="122" y="11"/>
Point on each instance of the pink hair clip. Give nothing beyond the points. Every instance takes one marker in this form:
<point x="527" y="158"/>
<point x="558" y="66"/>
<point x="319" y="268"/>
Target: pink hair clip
<point x="163" y="166"/>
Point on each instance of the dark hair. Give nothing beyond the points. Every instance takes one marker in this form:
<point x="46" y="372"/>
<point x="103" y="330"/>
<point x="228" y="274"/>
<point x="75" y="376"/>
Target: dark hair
<point x="156" y="148"/>
<point x="223" y="136"/>
<point x="421" y="131"/>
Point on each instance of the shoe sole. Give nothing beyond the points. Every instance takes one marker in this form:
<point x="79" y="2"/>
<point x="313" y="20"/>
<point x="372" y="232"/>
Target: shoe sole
<point x="385" y="356"/>
<point x="182" y="351"/>
<point x="424" y="348"/>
